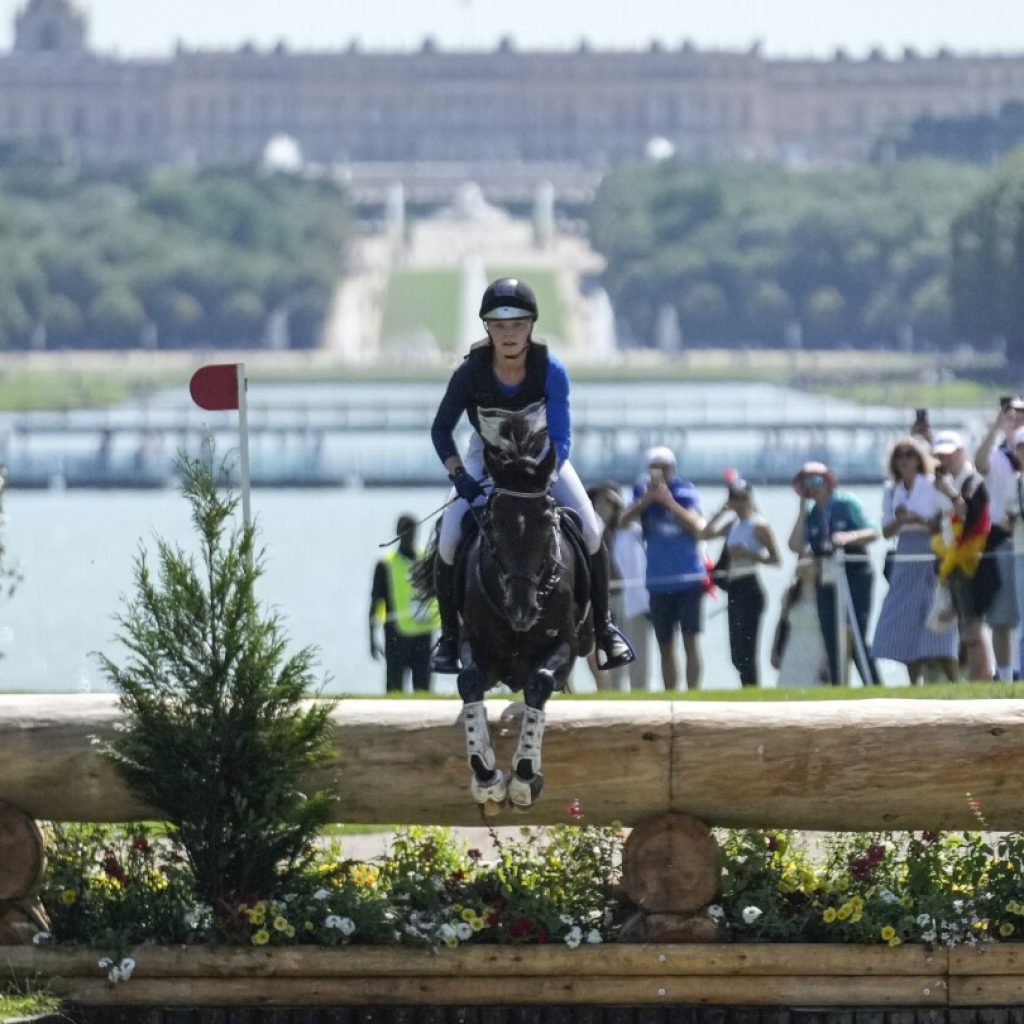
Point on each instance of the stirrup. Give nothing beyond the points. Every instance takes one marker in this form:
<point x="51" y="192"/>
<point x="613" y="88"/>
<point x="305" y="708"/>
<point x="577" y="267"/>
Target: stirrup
<point x="444" y="660"/>
<point x="612" y="643"/>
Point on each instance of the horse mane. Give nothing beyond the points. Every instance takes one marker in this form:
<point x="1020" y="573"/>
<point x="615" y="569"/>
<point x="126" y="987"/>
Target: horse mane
<point x="523" y="457"/>
<point x="421" y="575"/>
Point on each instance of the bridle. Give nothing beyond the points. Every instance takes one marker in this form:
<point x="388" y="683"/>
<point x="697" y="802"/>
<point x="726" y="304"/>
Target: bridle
<point x="546" y="578"/>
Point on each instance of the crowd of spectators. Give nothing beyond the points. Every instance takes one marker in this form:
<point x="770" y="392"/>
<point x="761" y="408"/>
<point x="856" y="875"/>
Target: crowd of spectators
<point x="953" y="522"/>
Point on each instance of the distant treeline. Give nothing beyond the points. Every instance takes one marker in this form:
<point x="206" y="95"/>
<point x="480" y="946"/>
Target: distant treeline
<point x="928" y="253"/>
<point x="166" y="259"/>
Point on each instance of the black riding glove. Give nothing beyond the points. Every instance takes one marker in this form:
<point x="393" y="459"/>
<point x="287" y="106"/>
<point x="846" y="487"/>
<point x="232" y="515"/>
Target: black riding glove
<point x="467" y="487"/>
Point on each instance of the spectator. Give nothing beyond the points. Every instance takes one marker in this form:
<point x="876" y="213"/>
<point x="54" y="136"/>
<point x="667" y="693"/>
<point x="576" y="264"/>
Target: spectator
<point x="408" y="623"/>
<point x="831" y="520"/>
<point x="1015" y="515"/>
<point x="629" y="600"/>
<point x="965" y="527"/>
<point x="798" y="649"/>
<point x="668" y="510"/>
<point x="911" y="512"/>
<point x="749" y="542"/>
<point x="996" y="592"/>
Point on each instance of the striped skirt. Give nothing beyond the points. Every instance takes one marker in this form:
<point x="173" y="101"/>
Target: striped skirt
<point x="901" y="633"/>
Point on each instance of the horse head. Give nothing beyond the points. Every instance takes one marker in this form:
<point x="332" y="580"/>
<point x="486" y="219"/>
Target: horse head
<point x="522" y="521"/>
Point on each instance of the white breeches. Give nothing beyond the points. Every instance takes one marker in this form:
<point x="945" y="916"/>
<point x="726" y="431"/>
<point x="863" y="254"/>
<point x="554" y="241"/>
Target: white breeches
<point x="567" y="490"/>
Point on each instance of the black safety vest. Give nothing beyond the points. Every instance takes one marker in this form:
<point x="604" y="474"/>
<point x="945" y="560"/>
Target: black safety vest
<point x="485" y="392"/>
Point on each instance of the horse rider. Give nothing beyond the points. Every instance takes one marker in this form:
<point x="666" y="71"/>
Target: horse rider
<point x="511" y="372"/>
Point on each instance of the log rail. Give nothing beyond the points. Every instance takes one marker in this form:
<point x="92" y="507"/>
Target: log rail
<point x="623" y="975"/>
<point x="818" y="765"/>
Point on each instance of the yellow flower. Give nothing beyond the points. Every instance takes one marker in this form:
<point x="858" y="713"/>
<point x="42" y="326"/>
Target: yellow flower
<point x="1012" y="907"/>
<point x="68" y="897"/>
<point x="844" y="911"/>
<point x="280" y="924"/>
<point x="260" y="938"/>
<point x="855" y="917"/>
<point x="1006" y="929"/>
<point x="468" y="913"/>
<point x="452" y="941"/>
<point x="857" y="903"/>
<point x="478" y="924"/>
<point x="257" y="915"/>
<point x="309" y="926"/>
<point x="888" y="933"/>
<point x="895" y="941"/>
<point x="829" y="916"/>
<point x="290" y="931"/>
<point x="906" y="901"/>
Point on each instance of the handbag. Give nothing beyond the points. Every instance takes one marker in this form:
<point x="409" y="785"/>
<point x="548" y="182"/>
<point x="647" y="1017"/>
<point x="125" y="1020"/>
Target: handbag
<point x="942" y="615"/>
<point x="887" y="565"/>
<point x="720" y="572"/>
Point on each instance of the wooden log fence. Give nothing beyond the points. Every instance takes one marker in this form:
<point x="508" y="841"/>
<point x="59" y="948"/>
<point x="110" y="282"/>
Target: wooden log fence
<point x="831" y="765"/>
<point x="641" y="975"/>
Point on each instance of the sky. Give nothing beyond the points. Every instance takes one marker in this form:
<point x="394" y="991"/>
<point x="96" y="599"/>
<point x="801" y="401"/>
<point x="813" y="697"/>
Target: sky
<point x="783" y="27"/>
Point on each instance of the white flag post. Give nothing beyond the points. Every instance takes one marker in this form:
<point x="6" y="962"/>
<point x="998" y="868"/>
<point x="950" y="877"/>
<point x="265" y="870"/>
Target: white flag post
<point x="243" y="442"/>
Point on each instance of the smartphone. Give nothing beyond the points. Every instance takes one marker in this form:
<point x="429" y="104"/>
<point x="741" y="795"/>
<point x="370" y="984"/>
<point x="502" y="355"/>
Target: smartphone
<point x="921" y="416"/>
<point x="657" y="476"/>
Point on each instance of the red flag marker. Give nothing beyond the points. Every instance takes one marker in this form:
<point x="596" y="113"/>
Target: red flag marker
<point x="215" y="386"/>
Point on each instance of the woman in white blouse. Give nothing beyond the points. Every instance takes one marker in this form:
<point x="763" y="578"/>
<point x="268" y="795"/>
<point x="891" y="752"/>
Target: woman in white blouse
<point x="911" y="510"/>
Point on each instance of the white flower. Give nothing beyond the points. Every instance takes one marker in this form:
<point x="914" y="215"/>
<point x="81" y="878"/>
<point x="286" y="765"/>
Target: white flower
<point x="347" y="926"/>
<point x="888" y="896"/>
<point x="127" y="966"/>
<point x="40" y="937"/>
<point x="751" y="914"/>
<point x="923" y="920"/>
<point x="332" y="921"/>
<point x="716" y="912"/>
<point x="574" y="937"/>
<point x="464" y="930"/>
<point x="566" y="919"/>
<point x="321" y="894"/>
<point x="594" y="937"/>
<point x="447" y="932"/>
<point x="115" y="974"/>
<point x="104" y="963"/>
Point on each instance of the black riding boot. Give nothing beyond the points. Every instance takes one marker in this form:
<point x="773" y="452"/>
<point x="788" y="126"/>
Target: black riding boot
<point x="445" y="659"/>
<point x="610" y="641"/>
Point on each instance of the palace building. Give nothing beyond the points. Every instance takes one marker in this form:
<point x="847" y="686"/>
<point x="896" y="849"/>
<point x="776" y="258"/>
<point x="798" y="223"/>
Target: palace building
<point x="584" y="108"/>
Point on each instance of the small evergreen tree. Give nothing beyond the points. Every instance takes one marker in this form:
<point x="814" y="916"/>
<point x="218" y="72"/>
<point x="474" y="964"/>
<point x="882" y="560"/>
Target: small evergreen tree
<point x="217" y="734"/>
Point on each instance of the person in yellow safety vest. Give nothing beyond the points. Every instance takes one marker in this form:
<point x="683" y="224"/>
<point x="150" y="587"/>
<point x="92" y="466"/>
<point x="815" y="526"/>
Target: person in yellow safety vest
<point x="408" y="622"/>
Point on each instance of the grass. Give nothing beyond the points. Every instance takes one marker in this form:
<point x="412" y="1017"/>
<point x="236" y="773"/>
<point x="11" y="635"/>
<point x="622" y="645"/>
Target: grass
<point x="24" y="999"/>
<point x="418" y="303"/>
<point x="937" y="691"/>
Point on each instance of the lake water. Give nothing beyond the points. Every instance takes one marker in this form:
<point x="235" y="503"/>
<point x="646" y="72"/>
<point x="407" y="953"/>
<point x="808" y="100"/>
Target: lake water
<point x="76" y="549"/>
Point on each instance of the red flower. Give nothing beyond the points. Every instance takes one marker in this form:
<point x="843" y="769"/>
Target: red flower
<point x="112" y="868"/>
<point x="474" y="854"/>
<point x="773" y="844"/>
<point x="574" y="810"/>
<point x="929" y="837"/>
<point x="542" y="936"/>
<point x="141" y="843"/>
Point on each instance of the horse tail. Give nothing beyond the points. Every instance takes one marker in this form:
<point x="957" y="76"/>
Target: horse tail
<point x="421" y="575"/>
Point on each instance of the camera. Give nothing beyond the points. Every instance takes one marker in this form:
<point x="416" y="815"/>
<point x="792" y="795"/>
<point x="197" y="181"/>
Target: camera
<point x="657" y="476"/>
<point x="921" y="417"/>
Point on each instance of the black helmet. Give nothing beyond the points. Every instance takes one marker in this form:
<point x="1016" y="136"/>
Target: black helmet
<point x="508" y="298"/>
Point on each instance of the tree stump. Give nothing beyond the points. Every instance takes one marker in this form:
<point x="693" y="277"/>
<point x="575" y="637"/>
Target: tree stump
<point x="644" y="927"/>
<point x="22" y="854"/>
<point x="671" y="864"/>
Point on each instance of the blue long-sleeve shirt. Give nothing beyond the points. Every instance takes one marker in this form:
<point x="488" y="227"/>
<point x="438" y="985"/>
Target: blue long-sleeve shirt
<point x="460" y="397"/>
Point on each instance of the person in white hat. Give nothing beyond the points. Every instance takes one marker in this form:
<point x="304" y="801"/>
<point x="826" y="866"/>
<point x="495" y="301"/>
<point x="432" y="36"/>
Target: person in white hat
<point x="669" y="512"/>
<point x="964" y="528"/>
<point x="999" y="464"/>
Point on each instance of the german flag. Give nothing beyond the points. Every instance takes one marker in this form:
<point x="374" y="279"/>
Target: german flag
<point x="968" y="545"/>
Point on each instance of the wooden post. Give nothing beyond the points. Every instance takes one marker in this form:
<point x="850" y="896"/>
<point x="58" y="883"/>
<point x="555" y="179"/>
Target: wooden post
<point x="22" y="860"/>
<point x="671" y="869"/>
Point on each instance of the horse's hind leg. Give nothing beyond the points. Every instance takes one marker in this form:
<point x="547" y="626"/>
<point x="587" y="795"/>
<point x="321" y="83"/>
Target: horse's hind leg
<point x="487" y="783"/>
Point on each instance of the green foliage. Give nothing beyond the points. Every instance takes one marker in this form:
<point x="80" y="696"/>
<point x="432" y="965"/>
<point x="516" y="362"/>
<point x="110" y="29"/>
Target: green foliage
<point x="216" y="733"/>
<point x="748" y="254"/>
<point x="93" y="260"/>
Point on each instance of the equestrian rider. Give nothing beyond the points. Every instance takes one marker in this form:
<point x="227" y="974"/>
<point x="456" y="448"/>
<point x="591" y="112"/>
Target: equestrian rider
<point x="511" y="372"/>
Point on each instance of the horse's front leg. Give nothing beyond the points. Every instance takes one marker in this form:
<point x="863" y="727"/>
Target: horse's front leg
<point x="526" y="781"/>
<point x="487" y="783"/>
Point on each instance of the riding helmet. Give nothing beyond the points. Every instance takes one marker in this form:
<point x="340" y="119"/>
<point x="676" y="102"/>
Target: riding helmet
<point x="507" y="299"/>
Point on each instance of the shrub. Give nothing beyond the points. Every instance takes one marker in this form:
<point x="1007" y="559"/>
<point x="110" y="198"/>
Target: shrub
<point x="216" y="733"/>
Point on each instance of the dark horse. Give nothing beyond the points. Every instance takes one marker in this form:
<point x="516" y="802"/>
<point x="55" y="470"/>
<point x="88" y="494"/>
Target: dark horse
<point x="525" y="613"/>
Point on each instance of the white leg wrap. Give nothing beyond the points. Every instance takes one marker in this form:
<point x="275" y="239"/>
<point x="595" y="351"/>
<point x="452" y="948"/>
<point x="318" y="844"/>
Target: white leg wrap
<point x="481" y="756"/>
<point x="531" y="736"/>
<point x="478" y="736"/>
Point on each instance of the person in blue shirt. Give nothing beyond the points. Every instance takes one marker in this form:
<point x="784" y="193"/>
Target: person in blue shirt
<point x="830" y="519"/>
<point x="510" y="371"/>
<point x="668" y="509"/>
